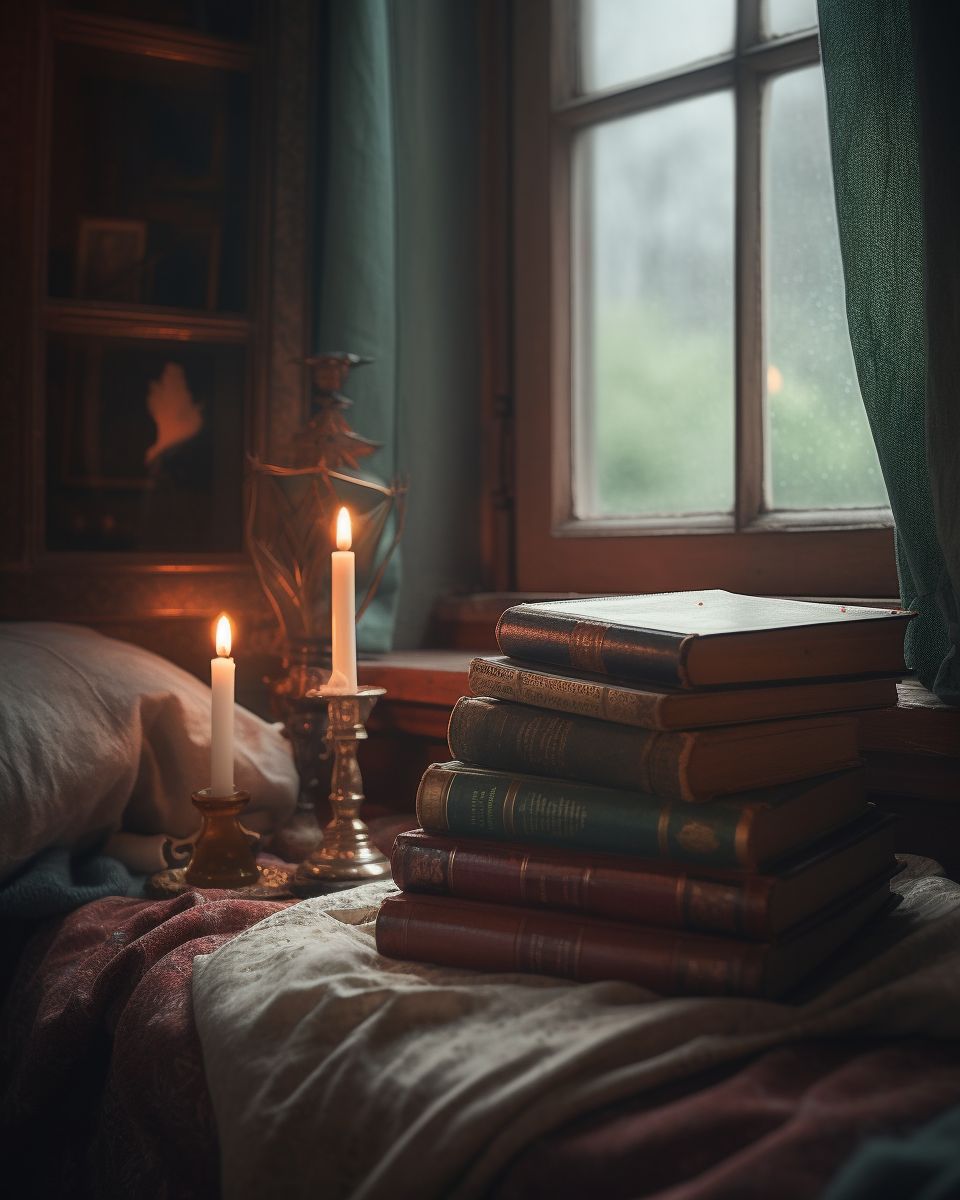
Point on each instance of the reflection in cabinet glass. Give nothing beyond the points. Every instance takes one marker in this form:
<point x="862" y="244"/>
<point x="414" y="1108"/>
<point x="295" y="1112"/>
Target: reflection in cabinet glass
<point x="150" y="180"/>
<point x="144" y="444"/>
<point x="222" y="18"/>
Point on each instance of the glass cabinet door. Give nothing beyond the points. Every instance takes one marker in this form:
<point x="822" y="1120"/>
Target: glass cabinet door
<point x="149" y="181"/>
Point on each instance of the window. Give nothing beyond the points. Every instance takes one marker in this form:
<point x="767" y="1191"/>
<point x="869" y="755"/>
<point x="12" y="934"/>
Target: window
<point x="684" y="378"/>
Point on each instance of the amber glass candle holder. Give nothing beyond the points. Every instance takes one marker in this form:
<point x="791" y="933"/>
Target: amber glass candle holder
<point x="222" y="857"/>
<point x="347" y="854"/>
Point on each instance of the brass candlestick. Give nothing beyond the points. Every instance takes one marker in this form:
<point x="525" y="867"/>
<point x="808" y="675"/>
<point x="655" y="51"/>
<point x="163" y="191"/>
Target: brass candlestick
<point x="347" y="856"/>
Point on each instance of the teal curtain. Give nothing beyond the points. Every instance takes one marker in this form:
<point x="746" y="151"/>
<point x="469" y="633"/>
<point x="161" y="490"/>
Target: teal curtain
<point x="397" y="276"/>
<point x="872" y="103"/>
<point x="356" y="285"/>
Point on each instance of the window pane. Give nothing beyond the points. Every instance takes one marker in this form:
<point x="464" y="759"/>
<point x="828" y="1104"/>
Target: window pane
<point x="788" y="16"/>
<point x="626" y="40"/>
<point x="821" y="451"/>
<point x="654" y="428"/>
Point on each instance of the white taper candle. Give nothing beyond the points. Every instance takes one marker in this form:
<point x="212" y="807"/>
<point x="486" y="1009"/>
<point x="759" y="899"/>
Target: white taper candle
<point x="222" y="671"/>
<point x="343" y="609"/>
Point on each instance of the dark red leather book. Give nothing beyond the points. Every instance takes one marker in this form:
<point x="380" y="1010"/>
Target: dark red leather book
<point x="499" y="938"/>
<point x="758" y="907"/>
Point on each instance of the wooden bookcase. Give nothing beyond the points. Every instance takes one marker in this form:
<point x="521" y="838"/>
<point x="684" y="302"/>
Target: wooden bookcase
<point x="154" y="210"/>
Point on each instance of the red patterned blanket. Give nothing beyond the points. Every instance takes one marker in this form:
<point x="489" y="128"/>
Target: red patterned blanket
<point x="104" y="1093"/>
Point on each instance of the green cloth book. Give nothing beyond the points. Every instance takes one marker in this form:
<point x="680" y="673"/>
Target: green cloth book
<point x="748" y="830"/>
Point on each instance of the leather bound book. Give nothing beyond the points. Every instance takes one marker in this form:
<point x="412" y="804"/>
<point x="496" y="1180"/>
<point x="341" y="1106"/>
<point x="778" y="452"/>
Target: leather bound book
<point x="706" y="639"/>
<point x="663" y="708"/>
<point x="758" y="907"/>
<point x="693" y="765"/>
<point x="742" y="831"/>
<point x="497" y="938"/>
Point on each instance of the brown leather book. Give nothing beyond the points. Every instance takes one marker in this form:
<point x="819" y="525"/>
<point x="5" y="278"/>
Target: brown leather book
<point x="690" y="765"/>
<point x="663" y="708"/>
<point x="758" y="907"/>
<point x="498" y="938"/>
<point x="705" y="639"/>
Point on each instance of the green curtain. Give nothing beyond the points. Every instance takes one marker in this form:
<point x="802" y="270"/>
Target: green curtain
<point x="397" y="275"/>
<point x="356" y="281"/>
<point x="872" y="103"/>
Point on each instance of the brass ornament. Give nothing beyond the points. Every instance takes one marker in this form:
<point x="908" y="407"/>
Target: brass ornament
<point x="291" y="516"/>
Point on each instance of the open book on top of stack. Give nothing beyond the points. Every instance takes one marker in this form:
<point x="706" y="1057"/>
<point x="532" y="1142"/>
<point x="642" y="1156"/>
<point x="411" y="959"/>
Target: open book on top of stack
<point x="660" y="789"/>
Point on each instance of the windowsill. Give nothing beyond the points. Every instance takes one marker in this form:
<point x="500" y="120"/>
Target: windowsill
<point x="780" y="520"/>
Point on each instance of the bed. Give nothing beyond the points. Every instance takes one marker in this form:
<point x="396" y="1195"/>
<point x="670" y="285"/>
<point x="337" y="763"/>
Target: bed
<point x="210" y="1045"/>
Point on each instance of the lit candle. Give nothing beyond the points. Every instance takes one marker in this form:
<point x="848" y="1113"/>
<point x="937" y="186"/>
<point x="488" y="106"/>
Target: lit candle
<point x="343" y="609"/>
<point x="222" y="669"/>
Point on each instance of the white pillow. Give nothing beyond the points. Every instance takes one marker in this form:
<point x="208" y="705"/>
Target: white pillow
<point x="98" y="735"/>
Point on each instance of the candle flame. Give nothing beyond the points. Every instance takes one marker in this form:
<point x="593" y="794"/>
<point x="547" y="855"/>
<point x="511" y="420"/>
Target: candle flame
<point x="344" y="532"/>
<point x="224" y="636"/>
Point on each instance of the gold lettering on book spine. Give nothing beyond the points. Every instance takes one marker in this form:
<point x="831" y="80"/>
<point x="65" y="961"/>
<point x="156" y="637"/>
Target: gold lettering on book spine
<point x="490" y="679"/>
<point x="663" y="830"/>
<point x="508" y="802"/>
<point x="741" y="840"/>
<point x="449" y="880"/>
<point x="586" y="644"/>
<point x="432" y="798"/>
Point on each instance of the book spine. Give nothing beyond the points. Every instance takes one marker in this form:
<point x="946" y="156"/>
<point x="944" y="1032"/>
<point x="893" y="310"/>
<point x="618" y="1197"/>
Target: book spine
<point x="603" y="701"/>
<point x="514" y="737"/>
<point x="575" y="816"/>
<point x="580" y="883"/>
<point x="496" y="938"/>
<point x="565" y="641"/>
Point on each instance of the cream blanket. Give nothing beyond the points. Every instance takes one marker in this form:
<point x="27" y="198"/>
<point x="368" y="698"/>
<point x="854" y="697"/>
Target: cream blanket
<point x="337" y="1073"/>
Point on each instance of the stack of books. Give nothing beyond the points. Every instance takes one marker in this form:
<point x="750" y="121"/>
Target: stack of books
<point x="660" y="789"/>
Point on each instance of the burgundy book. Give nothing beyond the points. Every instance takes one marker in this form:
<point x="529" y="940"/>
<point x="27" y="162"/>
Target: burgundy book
<point x="499" y="938"/>
<point x="708" y="899"/>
